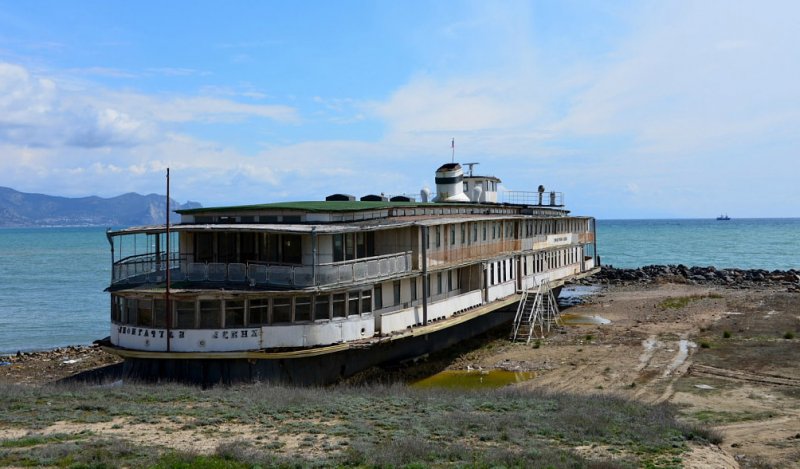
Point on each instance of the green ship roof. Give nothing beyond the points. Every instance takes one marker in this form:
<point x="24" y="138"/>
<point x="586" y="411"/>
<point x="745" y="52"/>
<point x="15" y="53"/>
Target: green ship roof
<point x="310" y="206"/>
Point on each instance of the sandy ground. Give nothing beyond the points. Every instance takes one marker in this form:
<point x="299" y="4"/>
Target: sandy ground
<point x="746" y="386"/>
<point x="680" y="355"/>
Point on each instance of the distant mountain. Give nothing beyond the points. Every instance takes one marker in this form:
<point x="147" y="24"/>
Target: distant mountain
<point x="22" y="209"/>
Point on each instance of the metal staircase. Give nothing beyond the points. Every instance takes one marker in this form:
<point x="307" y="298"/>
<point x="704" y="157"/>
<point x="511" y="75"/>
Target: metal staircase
<point x="537" y="310"/>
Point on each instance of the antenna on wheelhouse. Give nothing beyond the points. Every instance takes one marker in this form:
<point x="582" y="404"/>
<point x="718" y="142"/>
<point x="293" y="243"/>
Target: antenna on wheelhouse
<point x="166" y="293"/>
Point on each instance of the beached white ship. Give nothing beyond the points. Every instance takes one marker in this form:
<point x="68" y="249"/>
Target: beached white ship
<point x="310" y="292"/>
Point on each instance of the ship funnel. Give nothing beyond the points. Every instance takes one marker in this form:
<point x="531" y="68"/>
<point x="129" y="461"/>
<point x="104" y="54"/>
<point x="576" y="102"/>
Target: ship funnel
<point x="425" y="195"/>
<point x="450" y="184"/>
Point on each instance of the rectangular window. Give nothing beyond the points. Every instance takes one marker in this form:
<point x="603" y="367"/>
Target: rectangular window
<point x="475" y="232"/>
<point x="491" y="274"/>
<point x="302" y="309"/>
<point x="159" y="313"/>
<point x="145" y="313"/>
<point x="413" y="289"/>
<point x="396" y="291"/>
<point x="184" y="315"/>
<point x="352" y="303"/>
<point x="484" y="231"/>
<point x="438" y="236"/>
<point x="210" y="314"/>
<point x="338" y="248"/>
<point x="439" y="283"/>
<point x="281" y="310"/>
<point x="234" y="313"/>
<point x="322" y="307"/>
<point x="258" y="311"/>
<point x="349" y="247"/>
<point x="452" y="234"/>
<point x="449" y="280"/>
<point x="366" y="301"/>
<point x="132" y="307"/>
<point x="378" y="296"/>
<point x="463" y="233"/>
<point x="339" y="305"/>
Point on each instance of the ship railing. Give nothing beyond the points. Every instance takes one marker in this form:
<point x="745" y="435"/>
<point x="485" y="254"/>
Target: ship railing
<point x="147" y="268"/>
<point x="150" y="268"/>
<point x="543" y="199"/>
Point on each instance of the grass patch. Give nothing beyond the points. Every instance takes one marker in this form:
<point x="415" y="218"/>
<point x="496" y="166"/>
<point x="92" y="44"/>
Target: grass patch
<point x="714" y="417"/>
<point x="372" y="426"/>
<point x="34" y="440"/>
<point x="680" y="302"/>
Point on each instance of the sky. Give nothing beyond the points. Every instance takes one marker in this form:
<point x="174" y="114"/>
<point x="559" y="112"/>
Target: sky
<point x="632" y="109"/>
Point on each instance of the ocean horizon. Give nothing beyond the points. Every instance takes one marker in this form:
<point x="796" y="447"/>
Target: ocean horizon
<point x="53" y="278"/>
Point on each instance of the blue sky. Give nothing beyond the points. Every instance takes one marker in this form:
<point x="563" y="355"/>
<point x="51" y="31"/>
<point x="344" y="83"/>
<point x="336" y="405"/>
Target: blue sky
<point x="632" y="109"/>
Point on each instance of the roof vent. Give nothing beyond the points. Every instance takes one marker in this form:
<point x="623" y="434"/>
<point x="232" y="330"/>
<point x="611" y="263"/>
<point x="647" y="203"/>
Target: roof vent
<point x="401" y="198"/>
<point x="374" y="198"/>
<point x="340" y="198"/>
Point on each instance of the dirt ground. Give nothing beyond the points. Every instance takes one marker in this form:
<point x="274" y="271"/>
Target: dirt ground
<point x="728" y="358"/>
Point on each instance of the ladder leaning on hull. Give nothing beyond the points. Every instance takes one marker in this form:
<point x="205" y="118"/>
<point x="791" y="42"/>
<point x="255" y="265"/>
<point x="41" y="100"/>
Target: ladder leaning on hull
<point x="536" y="309"/>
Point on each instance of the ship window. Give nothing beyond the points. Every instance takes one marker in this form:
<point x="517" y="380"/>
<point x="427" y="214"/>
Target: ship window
<point x="475" y="232"/>
<point x="184" y="314"/>
<point x="366" y="301"/>
<point x="210" y="314"/>
<point x="484" y="231"/>
<point x="491" y="274"/>
<point x="258" y="311"/>
<point x="349" y="248"/>
<point x="159" y="313"/>
<point x="203" y="247"/>
<point x="396" y="291"/>
<point x="449" y="280"/>
<point x="339" y="305"/>
<point x="369" y="238"/>
<point x="322" y="307"/>
<point x="132" y="307"/>
<point x="145" y="317"/>
<point x="361" y="246"/>
<point x="338" y="248"/>
<point x="116" y="308"/>
<point x="302" y="308"/>
<point x="281" y="310"/>
<point x="352" y="303"/>
<point x="438" y="236"/>
<point x="439" y="283"/>
<point x="292" y="252"/>
<point x="413" y="289"/>
<point x="378" y="296"/>
<point x="291" y="219"/>
<point x="226" y="247"/>
<point x="463" y="233"/>
<point x="248" y="247"/>
<point x="452" y="234"/>
<point x="234" y="313"/>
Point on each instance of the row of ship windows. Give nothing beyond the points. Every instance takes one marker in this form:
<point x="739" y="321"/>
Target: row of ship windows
<point x="473" y="231"/>
<point x="215" y="313"/>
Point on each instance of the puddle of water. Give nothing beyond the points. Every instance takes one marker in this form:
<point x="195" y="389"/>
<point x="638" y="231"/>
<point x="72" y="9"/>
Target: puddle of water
<point x="577" y="319"/>
<point x="473" y="379"/>
<point x="574" y="295"/>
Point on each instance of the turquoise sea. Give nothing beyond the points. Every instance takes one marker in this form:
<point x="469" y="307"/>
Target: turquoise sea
<point x="52" y="279"/>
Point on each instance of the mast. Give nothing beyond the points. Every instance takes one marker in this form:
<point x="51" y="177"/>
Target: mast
<point x="166" y="292"/>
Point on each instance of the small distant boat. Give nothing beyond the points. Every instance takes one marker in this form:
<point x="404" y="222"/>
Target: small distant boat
<point x="723" y="217"/>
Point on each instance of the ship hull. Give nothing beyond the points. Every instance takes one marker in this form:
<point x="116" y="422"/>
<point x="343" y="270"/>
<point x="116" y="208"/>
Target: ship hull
<point x="315" y="370"/>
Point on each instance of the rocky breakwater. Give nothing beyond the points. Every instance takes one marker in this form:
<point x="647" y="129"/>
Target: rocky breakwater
<point x="732" y="278"/>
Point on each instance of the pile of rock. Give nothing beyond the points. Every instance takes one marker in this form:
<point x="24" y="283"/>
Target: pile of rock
<point x="734" y="278"/>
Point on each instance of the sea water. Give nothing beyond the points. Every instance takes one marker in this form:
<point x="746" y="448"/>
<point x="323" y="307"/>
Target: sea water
<point x="738" y="243"/>
<point x="52" y="280"/>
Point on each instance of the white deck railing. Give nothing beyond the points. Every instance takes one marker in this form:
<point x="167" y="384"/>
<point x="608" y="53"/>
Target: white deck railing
<point x="145" y="269"/>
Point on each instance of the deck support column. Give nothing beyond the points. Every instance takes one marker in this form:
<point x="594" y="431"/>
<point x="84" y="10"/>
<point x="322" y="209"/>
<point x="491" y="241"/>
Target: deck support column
<point x="425" y="291"/>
